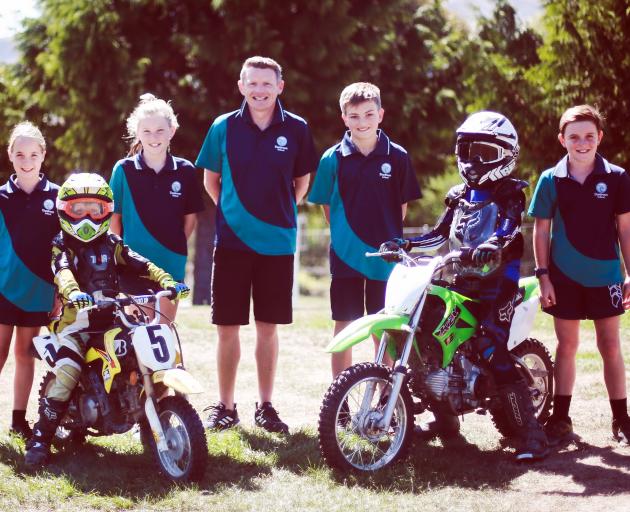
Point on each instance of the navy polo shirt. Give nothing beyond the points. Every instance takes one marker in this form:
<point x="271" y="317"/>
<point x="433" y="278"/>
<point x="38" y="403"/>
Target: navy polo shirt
<point x="365" y="194"/>
<point x="257" y="210"/>
<point x="153" y="206"/>
<point x="584" y="239"/>
<point x="28" y="224"/>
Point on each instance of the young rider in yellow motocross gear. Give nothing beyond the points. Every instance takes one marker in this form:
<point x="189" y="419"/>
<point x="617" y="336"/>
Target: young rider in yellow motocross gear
<point x="85" y="263"/>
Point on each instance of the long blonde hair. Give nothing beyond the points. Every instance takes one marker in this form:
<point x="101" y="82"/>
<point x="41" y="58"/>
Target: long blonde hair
<point x="149" y="105"/>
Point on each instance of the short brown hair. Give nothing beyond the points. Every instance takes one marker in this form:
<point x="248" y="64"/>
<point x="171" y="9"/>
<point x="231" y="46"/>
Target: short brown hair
<point x="262" y="63"/>
<point x="359" y="92"/>
<point x="581" y="113"/>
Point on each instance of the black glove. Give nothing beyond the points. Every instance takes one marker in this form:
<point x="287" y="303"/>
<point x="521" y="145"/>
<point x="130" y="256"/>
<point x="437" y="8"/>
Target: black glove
<point x="393" y="245"/>
<point x="485" y="252"/>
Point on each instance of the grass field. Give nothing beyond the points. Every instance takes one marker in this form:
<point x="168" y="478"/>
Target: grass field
<point x="252" y="470"/>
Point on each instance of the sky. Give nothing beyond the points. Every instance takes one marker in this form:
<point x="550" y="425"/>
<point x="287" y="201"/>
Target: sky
<point x="12" y="11"/>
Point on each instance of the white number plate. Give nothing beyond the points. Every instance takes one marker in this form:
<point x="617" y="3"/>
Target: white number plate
<point x="155" y="346"/>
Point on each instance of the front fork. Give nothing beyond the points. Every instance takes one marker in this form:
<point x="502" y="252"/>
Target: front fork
<point x="150" y="410"/>
<point x="400" y="368"/>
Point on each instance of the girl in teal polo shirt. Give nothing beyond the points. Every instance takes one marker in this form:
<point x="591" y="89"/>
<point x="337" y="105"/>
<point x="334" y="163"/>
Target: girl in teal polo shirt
<point x="156" y="196"/>
<point x="28" y="223"/>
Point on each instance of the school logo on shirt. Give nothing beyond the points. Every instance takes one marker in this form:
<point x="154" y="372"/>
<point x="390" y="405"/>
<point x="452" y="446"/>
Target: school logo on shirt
<point x="281" y="144"/>
<point x="176" y="188"/>
<point x="386" y="171"/>
<point x="601" y="190"/>
<point x="48" y="206"/>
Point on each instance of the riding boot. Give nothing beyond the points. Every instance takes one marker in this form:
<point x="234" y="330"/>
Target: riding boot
<point x="38" y="447"/>
<point x="519" y="410"/>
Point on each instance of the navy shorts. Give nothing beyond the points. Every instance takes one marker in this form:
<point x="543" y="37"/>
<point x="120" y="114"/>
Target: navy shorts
<point x="350" y="297"/>
<point x="238" y="276"/>
<point x="10" y="314"/>
<point x="577" y="302"/>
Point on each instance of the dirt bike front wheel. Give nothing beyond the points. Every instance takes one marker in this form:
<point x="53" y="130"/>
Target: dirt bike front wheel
<point x="187" y="454"/>
<point x="351" y="435"/>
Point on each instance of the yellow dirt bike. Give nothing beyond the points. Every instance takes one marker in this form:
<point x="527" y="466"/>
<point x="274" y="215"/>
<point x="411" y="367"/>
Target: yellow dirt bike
<point x="133" y="374"/>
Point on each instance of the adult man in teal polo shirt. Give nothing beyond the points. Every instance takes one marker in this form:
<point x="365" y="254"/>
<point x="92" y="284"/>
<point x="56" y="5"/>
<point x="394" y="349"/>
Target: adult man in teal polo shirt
<point x="257" y="161"/>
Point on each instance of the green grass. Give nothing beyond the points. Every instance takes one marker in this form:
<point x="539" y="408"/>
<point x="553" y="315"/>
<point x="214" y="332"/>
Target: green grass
<point x="250" y="469"/>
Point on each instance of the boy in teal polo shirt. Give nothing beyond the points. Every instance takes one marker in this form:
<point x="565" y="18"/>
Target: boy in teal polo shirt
<point x="364" y="183"/>
<point x="582" y="211"/>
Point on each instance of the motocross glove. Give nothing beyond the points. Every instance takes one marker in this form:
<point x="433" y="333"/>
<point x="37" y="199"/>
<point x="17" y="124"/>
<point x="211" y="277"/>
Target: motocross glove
<point x="393" y="245"/>
<point x="486" y="252"/>
<point x="181" y="290"/>
<point x="80" y="300"/>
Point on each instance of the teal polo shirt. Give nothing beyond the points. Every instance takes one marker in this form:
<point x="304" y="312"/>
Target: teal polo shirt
<point x="584" y="238"/>
<point x="28" y="224"/>
<point x="153" y="206"/>
<point x="365" y="195"/>
<point x="257" y="210"/>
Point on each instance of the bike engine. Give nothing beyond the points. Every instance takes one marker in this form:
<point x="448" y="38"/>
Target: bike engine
<point x="455" y="385"/>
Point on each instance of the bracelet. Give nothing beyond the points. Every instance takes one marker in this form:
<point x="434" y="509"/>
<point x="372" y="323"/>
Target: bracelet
<point x="539" y="272"/>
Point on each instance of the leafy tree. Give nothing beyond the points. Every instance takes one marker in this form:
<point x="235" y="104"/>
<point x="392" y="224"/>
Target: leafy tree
<point x="85" y="62"/>
<point x="501" y="65"/>
<point x="585" y="59"/>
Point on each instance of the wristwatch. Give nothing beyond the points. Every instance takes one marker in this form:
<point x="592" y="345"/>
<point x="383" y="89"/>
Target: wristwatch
<point x="538" y="272"/>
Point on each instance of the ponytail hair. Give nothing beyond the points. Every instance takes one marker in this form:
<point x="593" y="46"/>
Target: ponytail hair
<point x="149" y="105"/>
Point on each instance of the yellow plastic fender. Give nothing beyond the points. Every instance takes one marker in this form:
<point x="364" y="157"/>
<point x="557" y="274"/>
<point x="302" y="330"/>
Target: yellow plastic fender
<point x="178" y="379"/>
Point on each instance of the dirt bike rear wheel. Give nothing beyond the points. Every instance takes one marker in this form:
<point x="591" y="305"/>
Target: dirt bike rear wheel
<point x="65" y="437"/>
<point x="349" y="435"/>
<point x="187" y="456"/>
<point x="538" y="360"/>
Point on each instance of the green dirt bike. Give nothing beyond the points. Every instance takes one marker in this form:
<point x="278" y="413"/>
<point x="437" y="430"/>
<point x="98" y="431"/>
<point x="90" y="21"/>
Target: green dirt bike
<point x="366" y="419"/>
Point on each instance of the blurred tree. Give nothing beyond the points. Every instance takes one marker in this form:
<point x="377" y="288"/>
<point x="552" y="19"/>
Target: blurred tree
<point x="500" y="75"/>
<point x="84" y="63"/>
<point x="585" y="59"/>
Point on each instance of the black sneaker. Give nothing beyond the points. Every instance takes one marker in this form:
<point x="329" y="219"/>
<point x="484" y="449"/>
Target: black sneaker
<point x="21" y="429"/>
<point x="221" y="418"/>
<point x="267" y="417"/>
<point x="558" y="430"/>
<point x="621" y="430"/>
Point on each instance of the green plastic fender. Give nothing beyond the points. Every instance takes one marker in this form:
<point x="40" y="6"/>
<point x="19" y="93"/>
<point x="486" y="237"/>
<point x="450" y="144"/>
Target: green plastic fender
<point x="364" y="327"/>
<point x="530" y="285"/>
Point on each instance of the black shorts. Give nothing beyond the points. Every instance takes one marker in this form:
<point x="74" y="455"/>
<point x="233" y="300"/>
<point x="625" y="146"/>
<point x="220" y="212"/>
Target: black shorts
<point x="10" y="314"/>
<point x="239" y="275"/>
<point x="577" y="302"/>
<point x="351" y="296"/>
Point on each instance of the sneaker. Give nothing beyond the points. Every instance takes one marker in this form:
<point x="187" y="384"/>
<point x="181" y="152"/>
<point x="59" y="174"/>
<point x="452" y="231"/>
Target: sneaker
<point x="267" y="417"/>
<point x="621" y="430"/>
<point x="558" y="430"/>
<point x="21" y="429"/>
<point x="221" y="418"/>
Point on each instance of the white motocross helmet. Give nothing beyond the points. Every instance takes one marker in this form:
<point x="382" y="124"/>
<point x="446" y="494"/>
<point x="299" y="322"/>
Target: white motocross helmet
<point x="486" y="149"/>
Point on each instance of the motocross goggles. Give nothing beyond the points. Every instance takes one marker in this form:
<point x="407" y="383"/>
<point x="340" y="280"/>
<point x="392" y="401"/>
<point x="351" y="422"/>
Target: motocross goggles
<point x="83" y="207"/>
<point x="481" y="152"/>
